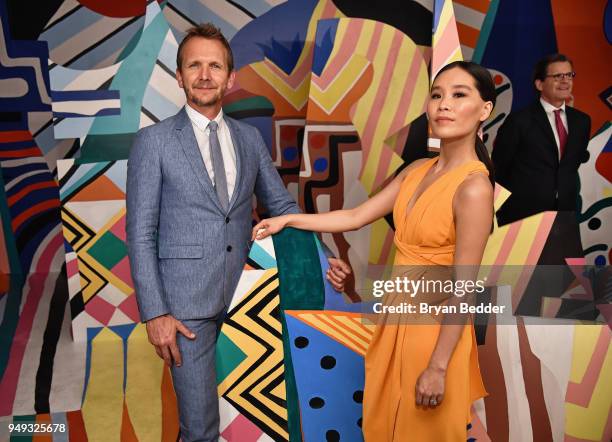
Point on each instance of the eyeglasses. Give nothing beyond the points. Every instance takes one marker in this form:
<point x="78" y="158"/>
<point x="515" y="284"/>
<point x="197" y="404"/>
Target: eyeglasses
<point x="561" y="76"/>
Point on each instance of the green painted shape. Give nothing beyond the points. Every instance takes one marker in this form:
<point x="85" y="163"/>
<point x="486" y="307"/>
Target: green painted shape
<point x="228" y="357"/>
<point x="108" y="250"/>
<point x="23" y="436"/>
<point x="301" y="288"/>
<point x="248" y="104"/>
<point x="132" y="80"/>
<point x="106" y="148"/>
<point x="485" y="31"/>
<point x="299" y="270"/>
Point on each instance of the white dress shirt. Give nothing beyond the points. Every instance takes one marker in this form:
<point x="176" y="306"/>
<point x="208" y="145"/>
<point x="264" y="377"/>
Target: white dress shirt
<point x="200" y="128"/>
<point x="549" y="109"/>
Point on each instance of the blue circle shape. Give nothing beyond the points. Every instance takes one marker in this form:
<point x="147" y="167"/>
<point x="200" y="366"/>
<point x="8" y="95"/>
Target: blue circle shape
<point x="290" y="153"/>
<point x="600" y="260"/>
<point x="320" y="164"/>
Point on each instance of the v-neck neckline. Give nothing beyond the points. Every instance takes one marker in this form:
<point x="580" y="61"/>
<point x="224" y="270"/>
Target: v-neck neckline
<point x="416" y="200"/>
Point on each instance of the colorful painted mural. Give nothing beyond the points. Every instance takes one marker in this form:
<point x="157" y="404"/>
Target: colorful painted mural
<point x="337" y="88"/>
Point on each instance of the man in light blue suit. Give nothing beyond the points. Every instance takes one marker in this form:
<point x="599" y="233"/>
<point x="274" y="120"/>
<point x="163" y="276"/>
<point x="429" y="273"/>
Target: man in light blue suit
<point x="190" y="186"/>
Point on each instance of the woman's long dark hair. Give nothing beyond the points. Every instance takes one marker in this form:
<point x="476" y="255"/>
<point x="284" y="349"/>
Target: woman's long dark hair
<point x="486" y="89"/>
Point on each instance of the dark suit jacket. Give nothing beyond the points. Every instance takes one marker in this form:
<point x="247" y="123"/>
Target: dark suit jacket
<point x="527" y="163"/>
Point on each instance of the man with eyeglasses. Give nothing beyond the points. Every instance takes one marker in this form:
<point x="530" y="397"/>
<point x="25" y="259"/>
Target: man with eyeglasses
<point x="536" y="155"/>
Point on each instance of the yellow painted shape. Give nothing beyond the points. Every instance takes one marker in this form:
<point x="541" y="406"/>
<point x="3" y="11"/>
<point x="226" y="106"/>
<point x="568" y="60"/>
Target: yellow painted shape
<point x="143" y="393"/>
<point x="524" y="240"/>
<point x="103" y="405"/>
<point x="378" y="234"/>
<point x="585" y="339"/>
<point x="254" y="350"/>
<point x="297" y="97"/>
<point x="589" y="422"/>
<point x="90" y="281"/>
<point x="334" y="92"/>
<point x="357" y="343"/>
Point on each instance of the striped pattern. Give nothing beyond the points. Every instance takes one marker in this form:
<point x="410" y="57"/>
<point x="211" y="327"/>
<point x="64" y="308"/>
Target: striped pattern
<point x="470" y="16"/>
<point x="445" y="41"/>
<point x="349" y="329"/>
<point x="514" y="246"/>
<point x="162" y="98"/>
<point x="229" y="15"/>
<point x="85" y="103"/>
<point x="288" y="92"/>
<point x="364" y="83"/>
<point x="31" y="193"/>
<point x="81" y="38"/>
<point x="93" y="217"/>
<point x="588" y="399"/>
<point x="256" y="386"/>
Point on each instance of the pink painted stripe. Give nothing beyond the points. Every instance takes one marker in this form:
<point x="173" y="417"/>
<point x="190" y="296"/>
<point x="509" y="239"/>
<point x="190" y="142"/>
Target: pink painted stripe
<point x="384" y="161"/>
<point x="366" y="140"/>
<point x="346" y="51"/>
<point x="448" y="43"/>
<point x="537" y="245"/>
<point x="36" y="282"/>
<point x="506" y="247"/>
<point x="407" y="93"/>
<point x="379" y="99"/>
<point x="580" y="393"/>
<point x="386" y="248"/>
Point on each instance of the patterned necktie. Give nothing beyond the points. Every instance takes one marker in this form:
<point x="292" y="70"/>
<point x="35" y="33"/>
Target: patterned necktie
<point x="218" y="167"/>
<point x="561" y="131"/>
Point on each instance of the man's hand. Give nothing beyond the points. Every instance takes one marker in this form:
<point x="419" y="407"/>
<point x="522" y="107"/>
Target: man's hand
<point x="162" y="334"/>
<point x="337" y="273"/>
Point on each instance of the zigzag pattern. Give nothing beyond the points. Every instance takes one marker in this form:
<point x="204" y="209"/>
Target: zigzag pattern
<point x="256" y="386"/>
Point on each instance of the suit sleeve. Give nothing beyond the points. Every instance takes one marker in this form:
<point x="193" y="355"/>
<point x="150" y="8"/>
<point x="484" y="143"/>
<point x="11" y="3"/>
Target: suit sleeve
<point x="269" y="187"/>
<point x="504" y="149"/>
<point x="144" y="180"/>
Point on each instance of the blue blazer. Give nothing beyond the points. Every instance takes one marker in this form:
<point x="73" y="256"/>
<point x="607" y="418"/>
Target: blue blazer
<point x="186" y="253"/>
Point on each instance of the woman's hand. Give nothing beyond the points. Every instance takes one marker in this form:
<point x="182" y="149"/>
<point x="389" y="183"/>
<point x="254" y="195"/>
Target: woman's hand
<point x="429" y="390"/>
<point x="270" y="226"/>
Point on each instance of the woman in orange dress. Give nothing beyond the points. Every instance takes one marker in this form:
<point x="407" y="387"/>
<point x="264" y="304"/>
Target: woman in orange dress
<point x="422" y="379"/>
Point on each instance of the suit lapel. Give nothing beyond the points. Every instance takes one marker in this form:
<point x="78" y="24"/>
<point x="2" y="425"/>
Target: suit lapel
<point x="184" y="131"/>
<point x="542" y="121"/>
<point x="239" y="146"/>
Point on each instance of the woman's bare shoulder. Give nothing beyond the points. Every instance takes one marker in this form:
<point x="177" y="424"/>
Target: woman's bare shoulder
<point x="412" y="166"/>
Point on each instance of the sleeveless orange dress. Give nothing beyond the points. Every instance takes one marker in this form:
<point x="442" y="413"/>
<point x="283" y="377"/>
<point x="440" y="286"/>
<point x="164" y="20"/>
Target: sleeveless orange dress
<point x="399" y="353"/>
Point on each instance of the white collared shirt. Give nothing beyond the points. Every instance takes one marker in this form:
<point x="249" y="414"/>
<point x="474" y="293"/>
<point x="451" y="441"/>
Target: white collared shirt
<point x="549" y="109"/>
<point x="201" y="131"/>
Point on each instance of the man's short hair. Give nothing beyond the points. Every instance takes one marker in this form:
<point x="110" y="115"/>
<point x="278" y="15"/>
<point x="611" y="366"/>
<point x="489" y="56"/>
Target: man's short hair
<point x="541" y="68"/>
<point x="210" y="32"/>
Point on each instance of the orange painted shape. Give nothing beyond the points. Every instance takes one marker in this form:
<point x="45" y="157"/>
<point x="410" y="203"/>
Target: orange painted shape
<point x="577" y="27"/>
<point x="102" y="188"/>
<point x="127" y="429"/>
<point x="467" y="35"/>
<point x="170" y="420"/>
<point x="15" y="135"/>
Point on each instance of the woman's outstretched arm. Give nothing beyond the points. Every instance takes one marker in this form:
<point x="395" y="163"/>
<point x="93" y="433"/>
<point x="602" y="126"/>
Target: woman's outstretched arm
<point x="338" y="220"/>
<point x="473" y="212"/>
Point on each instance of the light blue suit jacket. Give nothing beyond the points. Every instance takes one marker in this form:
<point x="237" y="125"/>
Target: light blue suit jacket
<point x="186" y="253"/>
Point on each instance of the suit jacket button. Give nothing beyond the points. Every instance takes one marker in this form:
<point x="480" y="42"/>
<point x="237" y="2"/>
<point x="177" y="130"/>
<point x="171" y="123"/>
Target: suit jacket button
<point x="229" y="248"/>
<point x="227" y="220"/>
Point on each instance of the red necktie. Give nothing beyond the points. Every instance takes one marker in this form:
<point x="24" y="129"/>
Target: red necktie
<point x="561" y="131"/>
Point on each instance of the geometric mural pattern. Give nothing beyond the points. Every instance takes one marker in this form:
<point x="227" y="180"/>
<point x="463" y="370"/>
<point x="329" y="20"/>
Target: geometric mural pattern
<point x="93" y="216"/>
<point x="90" y="73"/>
